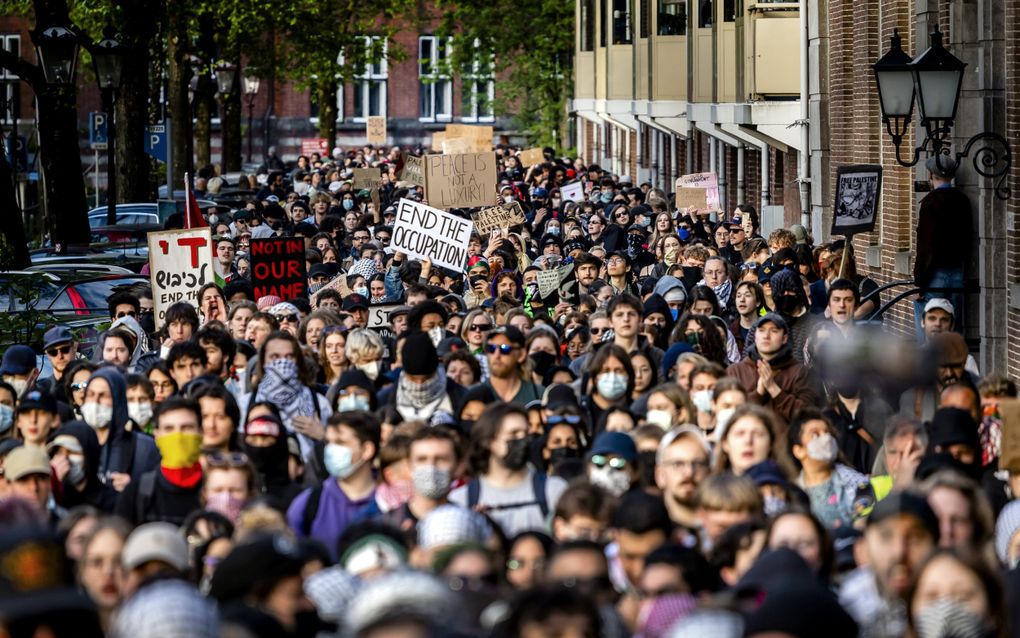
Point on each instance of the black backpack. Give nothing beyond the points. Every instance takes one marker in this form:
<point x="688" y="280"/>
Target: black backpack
<point x="538" y="481"/>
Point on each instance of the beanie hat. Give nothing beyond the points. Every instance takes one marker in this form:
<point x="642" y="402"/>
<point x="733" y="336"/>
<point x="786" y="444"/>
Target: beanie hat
<point x="1005" y="529"/>
<point x="419" y="355"/>
<point x="953" y="426"/>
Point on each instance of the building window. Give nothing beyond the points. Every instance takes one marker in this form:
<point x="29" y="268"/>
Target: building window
<point x="672" y="17"/>
<point x="604" y="15"/>
<point x="704" y="14"/>
<point x="370" y="82"/>
<point x="622" y="33"/>
<point x="588" y="25"/>
<point x="646" y="17"/>
<point x="728" y="10"/>
<point x="9" y="81"/>
<point x="434" y="83"/>
<point x="313" y="103"/>
<point x="478" y="87"/>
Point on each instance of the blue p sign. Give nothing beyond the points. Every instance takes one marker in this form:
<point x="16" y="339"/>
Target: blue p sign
<point x="98" y="137"/>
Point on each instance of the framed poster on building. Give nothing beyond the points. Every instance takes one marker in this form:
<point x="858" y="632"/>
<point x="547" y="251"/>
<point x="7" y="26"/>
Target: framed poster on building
<point x="858" y="189"/>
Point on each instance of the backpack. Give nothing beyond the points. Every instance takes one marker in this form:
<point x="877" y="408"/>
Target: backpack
<point x="538" y="481"/>
<point x="146" y="489"/>
<point x="311" y="509"/>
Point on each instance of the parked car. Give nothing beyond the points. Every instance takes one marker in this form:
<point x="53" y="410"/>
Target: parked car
<point x="139" y="213"/>
<point x="129" y="256"/>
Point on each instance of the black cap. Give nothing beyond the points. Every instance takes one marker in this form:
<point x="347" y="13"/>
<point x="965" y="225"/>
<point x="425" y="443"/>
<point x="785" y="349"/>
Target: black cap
<point x="450" y="344"/>
<point x="319" y="270"/>
<point x="953" y="426"/>
<point x="354" y="301"/>
<point x="514" y="335"/>
<point x="56" y="335"/>
<point x="418" y="355"/>
<point x="558" y="396"/>
<point x="37" y="400"/>
<point x="905" y="503"/>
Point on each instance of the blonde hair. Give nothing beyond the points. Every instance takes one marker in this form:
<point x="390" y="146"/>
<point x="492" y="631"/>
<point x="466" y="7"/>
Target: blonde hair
<point x="363" y="344"/>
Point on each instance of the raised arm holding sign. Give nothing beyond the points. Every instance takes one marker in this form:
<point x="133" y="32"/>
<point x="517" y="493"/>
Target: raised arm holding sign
<point x="180" y="263"/>
<point x="424" y="232"/>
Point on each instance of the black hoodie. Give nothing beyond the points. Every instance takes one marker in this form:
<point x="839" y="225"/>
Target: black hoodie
<point x="96" y="492"/>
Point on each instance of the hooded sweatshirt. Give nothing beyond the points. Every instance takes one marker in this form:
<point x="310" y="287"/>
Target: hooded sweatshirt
<point x="141" y="340"/>
<point x="95" y="493"/>
<point x="129" y="452"/>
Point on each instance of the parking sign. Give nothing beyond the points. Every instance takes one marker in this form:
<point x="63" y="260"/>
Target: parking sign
<point x="98" y="137"/>
<point x="156" y="142"/>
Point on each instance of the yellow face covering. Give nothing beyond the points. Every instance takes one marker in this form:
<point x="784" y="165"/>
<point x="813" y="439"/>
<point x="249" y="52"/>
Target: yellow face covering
<point x="180" y="449"/>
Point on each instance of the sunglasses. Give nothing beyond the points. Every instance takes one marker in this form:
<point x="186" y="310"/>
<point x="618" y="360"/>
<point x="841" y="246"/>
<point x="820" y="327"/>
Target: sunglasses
<point x="601" y="460"/>
<point x="79" y="387"/>
<point x="130" y="313"/>
<point x="289" y="318"/>
<point x="58" y="350"/>
<point x="231" y="459"/>
<point x="480" y="327"/>
<point x="570" y="419"/>
<point x="504" y="348"/>
<point x="596" y="331"/>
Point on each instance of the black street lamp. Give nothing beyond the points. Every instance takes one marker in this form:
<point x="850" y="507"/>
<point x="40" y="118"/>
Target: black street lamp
<point x="251" y="90"/>
<point x="57" y="50"/>
<point x="224" y="78"/>
<point x="108" y="55"/>
<point x="934" y="79"/>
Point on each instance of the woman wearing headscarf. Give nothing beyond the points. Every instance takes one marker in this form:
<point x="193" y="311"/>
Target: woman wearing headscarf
<point x="82" y="484"/>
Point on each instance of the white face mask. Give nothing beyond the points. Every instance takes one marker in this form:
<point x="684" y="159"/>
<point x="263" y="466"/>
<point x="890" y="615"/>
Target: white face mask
<point x="722" y="418"/>
<point x="612" y="480"/>
<point x="436" y="335"/>
<point x="823" y="448"/>
<point x="703" y="401"/>
<point x="96" y="415"/>
<point x="19" y="385"/>
<point x="140" y="413"/>
<point x="611" y="385"/>
<point x="6" y="417"/>
<point x="371" y="369"/>
<point x="661" y="418"/>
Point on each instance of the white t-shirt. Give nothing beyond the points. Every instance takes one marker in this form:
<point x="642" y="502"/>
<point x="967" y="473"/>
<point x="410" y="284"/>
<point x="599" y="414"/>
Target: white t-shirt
<point x="515" y="520"/>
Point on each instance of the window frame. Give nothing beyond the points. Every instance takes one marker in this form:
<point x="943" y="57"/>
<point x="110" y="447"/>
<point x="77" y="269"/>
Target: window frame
<point x="435" y="78"/>
<point x="376" y="72"/>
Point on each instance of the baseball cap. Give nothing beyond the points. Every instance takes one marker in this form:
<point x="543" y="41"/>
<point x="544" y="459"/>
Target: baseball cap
<point x="514" y="335"/>
<point x="774" y="318"/>
<point x="559" y="395"/>
<point x="319" y="270"/>
<point x="37" y="400"/>
<point x="939" y="304"/>
<point x="905" y="503"/>
<point x="354" y="301"/>
<point x="18" y="360"/>
<point x="56" y="335"/>
<point x="616" y="443"/>
<point x="24" y="461"/>
<point x="150" y="542"/>
<point x="65" y="441"/>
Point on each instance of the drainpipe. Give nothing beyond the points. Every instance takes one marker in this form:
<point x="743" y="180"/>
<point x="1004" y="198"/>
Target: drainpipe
<point x="741" y="194"/>
<point x="766" y="178"/>
<point x="689" y="147"/>
<point x="804" y="158"/>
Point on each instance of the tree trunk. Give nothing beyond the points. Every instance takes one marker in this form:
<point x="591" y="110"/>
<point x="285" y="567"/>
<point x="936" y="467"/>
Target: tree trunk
<point x="178" y="76"/>
<point x="133" y="174"/>
<point x="230" y="124"/>
<point x="15" y="255"/>
<point x="204" y="97"/>
<point x="61" y="165"/>
<point x="327" y="110"/>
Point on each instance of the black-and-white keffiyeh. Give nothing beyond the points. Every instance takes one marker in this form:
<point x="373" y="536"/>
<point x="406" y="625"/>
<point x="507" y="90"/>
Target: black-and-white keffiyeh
<point x="722" y="291"/>
<point x="282" y="386"/>
<point x="419" y="395"/>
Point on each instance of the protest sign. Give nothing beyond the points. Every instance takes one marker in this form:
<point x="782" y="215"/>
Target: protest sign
<point x="367" y="178"/>
<point x="460" y="181"/>
<point x="278" y="267"/>
<point x="379" y="316"/>
<point x="339" y="284"/>
<point x="438" y="137"/>
<point x="531" y="156"/>
<point x="691" y="198"/>
<point x="424" y="232"/>
<point x="708" y="181"/>
<point x="1009" y="456"/>
<point x="499" y="216"/>
<point x="311" y="145"/>
<point x="549" y="280"/>
<point x="180" y="262"/>
<point x="458" y="145"/>
<point x="375" y="129"/>
<point x="414" y="170"/>
<point x="572" y="192"/>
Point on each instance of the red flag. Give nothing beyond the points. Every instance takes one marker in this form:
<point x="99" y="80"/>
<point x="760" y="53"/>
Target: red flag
<point x="192" y="214"/>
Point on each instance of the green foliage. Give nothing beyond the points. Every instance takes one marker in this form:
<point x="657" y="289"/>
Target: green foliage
<point x="24" y="291"/>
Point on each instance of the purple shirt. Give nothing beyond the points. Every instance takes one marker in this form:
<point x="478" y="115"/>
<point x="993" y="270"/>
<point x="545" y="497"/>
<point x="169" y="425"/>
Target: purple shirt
<point x="336" y="511"/>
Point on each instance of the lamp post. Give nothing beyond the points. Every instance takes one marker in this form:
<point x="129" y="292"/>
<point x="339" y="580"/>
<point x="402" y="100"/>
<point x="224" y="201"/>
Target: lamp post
<point x="108" y="55"/>
<point x="251" y="90"/>
<point x="57" y="50"/>
<point x="934" y="80"/>
<point x="224" y="85"/>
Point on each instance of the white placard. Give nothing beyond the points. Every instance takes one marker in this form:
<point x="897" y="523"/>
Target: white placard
<point x="424" y="232"/>
<point x="572" y="192"/>
<point x="180" y="262"/>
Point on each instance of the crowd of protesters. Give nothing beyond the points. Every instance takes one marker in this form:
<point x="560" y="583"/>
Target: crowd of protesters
<point x="702" y="431"/>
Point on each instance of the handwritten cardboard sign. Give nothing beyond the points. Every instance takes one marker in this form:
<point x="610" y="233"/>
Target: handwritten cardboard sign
<point x="367" y="178"/>
<point x="691" y="198"/>
<point x="458" y="145"/>
<point x="572" y="192"/>
<point x="438" y="138"/>
<point x="531" y="156"/>
<point x="180" y="262"/>
<point x="708" y="181"/>
<point x="375" y="129"/>
<point x="278" y="267"/>
<point x="1009" y="456"/>
<point x="423" y="232"/>
<point x="414" y="170"/>
<point x="499" y="216"/>
<point x="461" y="181"/>
<point x="338" y="283"/>
<point x="379" y="316"/>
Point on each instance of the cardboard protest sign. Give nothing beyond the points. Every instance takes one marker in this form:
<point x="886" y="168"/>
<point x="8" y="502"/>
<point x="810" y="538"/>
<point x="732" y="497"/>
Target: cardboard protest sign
<point x="692" y="198"/>
<point x="424" y="232"/>
<point x="414" y="170"/>
<point x="379" y="316"/>
<point x="458" y="145"/>
<point x="461" y="181"/>
<point x="1009" y="456"/>
<point x="438" y="138"/>
<point x="470" y="131"/>
<point x="572" y="192"/>
<point x="375" y="129"/>
<point x="499" y="216"/>
<point x="708" y="181"/>
<point x="180" y="262"/>
<point x="278" y="267"/>
<point x="531" y="156"/>
<point x="549" y="280"/>
<point x="367" y="178"/>
<point x="311" y="145"/>
<point x="338" y="283"/>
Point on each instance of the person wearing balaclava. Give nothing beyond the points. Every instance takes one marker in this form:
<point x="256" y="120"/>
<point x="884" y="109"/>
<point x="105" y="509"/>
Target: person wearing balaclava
<point x="124" y="456"/>
<point x="422" y="389"/>
<point x="954" y="432"/>
<point x="82" y="485"/>
<point x="265" y="443"/>
<point x="791" y="304"/>
<point x="171" y="492"/>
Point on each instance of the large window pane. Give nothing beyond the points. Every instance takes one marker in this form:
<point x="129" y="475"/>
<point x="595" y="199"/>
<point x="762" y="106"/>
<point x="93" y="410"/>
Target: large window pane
<point x="672" y="18"/>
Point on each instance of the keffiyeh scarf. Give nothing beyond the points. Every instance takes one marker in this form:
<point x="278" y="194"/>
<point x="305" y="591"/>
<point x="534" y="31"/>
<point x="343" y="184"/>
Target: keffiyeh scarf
<point x="419" y="395"/>
<point x="282" y="386"/>
<point x="722" y="291"/>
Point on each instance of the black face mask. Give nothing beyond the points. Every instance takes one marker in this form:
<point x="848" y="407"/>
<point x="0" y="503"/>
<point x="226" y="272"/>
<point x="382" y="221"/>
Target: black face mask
<point x="516" y="454"/>
<point x="786" y="304"/>
<point x="692" y="275"/>
<point x="466" y="425"/>
<point x="542" y="361"/>
<point x="646" y="465"/>
<point x="560" y="454"/>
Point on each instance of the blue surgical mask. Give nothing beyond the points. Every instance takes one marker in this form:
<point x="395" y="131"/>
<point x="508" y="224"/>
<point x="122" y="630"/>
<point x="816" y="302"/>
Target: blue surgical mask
<point x="339" y="460"/>
<point x="361" y="290"/>
<point x="6" y="418"/>
<point x="683" y="233"/>
<point x="606" y="198"/>
<point x="675" y="312"/>
<point x="352" y="402"/>
<point x="612" y="385"/>
<point x="348" y="204"/>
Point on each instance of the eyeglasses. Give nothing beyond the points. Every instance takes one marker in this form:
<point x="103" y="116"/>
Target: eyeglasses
<point x="616" y="462"/>
<point x="383" y="238"/>
<point x="480" y="327"/>
<point x="598" y="331"/>
<point x="556" y="419"/>
<point x="230" y="459"/>
<point x="504" y="348"/>
<point x="57" y="351"/>
<point x="680" y="464"/>
<point x="292" y="318"/>
<point x="616" y="260"/>
<point x="361" y="237"/>
<point x="79" y="387"/>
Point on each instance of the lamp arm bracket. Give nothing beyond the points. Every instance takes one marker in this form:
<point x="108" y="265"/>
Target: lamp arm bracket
<point x="992" y="159"/>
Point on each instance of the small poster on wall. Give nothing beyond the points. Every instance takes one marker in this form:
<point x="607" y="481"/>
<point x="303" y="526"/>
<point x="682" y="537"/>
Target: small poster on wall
<point x="858" y="189"/>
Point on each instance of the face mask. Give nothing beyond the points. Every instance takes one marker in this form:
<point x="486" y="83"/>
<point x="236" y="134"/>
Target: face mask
<point x="140" y="413"/>
<point x="467" y="424"/>
<point x="361" y="290"/>
<point x="675" y="312"/>
<point x="542" y="360"/>
<point x="19" y="385"/>
<point x="661" y="418"/>
<point x="946" y="617"/>
<point x="339" y="460"/>
<point x="823" y="448"/>
<point x="606" y="198"/>
<point x="508" y="198"/>
<point x="786" y="304"/>
<point x="553" y="230"/>
<point x="314" y="288"/>
<point x="225" y="503"/>
<point x="612" y="480"/>
<point x="560" y="454"/>
<point x="694" y="341"/>
<point x="77" y="472"/>
<point x="353" y="402"/>
<point x="371" y="369"/>
<point x="348" y="204"/>
<point x="516" y="456"/>
<point x="96" y="415"/>
<point x="670" y="256"/>
<point x="436" y="335"/>
<point x="179" y="449"/>
<point x="683" y="234"/>
<point x="431" y="481"/>
<point x="774" y="505"/>
<point x="703" y="401"/>
<point x="611" y="385"/>
<point x="6" y="417"/>
<point x="722" y="417"/>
